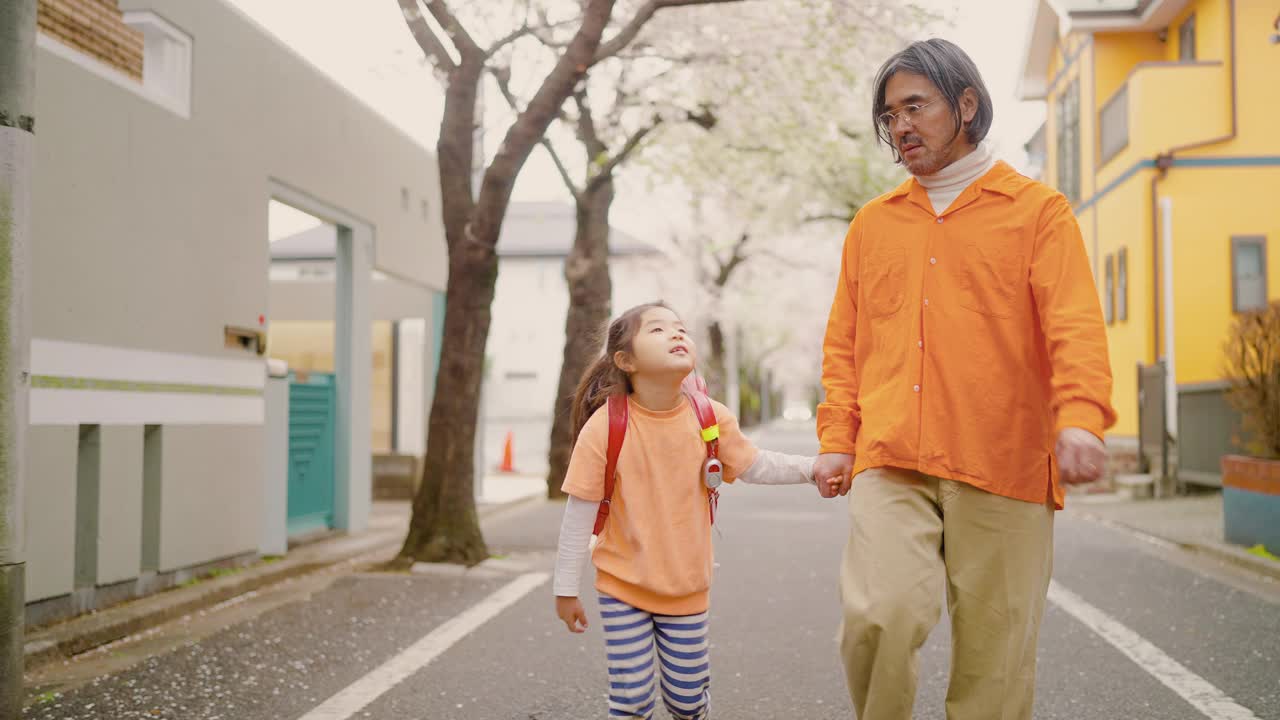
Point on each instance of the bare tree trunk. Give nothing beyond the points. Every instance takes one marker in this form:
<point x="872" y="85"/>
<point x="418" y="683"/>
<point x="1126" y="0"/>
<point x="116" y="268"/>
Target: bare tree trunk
<point x="590" y="307"/>
<point x="445" y="526"/>
<point x="716" y="373"/>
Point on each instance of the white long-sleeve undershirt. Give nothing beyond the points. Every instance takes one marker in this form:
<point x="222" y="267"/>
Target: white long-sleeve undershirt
<point x="769" y="468"/>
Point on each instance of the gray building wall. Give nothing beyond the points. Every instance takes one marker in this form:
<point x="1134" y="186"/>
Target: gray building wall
<point x="151" y="237"/>
<point x="51" y="510"/>
<point x="211" y="493"/>
<point x="120" y="504"/>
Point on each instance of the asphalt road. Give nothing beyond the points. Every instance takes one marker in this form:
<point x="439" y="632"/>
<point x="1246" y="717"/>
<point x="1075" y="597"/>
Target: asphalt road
<point x="775" y="615"/>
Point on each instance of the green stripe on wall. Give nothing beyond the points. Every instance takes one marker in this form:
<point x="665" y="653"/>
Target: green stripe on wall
<point x="53" y="382"/>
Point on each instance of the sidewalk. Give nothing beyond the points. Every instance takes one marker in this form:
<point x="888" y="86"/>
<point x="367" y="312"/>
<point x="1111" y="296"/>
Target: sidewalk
<point x="501" y="488"/>
<point x="388" y="523"/>
<point x="1193" y="523"/>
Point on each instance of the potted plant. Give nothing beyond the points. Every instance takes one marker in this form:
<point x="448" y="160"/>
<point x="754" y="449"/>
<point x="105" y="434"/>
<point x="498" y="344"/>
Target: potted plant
<point x="1251" y="483"/>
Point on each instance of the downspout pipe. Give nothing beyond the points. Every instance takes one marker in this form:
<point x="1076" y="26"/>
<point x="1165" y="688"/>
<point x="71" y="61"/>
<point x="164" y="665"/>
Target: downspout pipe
<point x="1162" y="236"/>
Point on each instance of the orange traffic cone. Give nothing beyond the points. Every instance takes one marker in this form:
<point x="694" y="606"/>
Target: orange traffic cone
<point x="508" y="461"/>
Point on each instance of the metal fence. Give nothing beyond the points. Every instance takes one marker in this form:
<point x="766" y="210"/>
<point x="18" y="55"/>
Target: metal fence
<point x="1208" y="428"/>
<point x="1153" y="439"/>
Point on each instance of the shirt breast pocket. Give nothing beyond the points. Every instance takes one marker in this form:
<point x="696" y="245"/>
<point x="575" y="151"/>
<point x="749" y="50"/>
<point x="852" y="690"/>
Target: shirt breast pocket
<point x="991" y="279"/>
<point x="884" y="276"/>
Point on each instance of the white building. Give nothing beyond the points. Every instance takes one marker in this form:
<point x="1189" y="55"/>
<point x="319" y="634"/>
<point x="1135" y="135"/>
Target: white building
<point x="526" y="338"/>
<point x="162" y="137"/>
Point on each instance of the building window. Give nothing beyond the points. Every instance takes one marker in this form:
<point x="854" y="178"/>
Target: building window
<point x="1109" y="291"/>
<point x="1122" y="285"/>
<point x="1187" y="40"/>
<point x="166" y="59"/>
<point x="1248" y="273"/>
<point x="1068" y="116"/>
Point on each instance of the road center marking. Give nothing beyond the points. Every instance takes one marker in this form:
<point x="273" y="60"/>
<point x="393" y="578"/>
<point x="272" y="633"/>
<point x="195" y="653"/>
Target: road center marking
<point x="1203" y="696"/>
<point x="358" y="695"/>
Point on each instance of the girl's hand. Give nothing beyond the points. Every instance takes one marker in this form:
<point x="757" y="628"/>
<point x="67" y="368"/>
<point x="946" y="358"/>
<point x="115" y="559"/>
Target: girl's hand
<point x="570" y="611"/>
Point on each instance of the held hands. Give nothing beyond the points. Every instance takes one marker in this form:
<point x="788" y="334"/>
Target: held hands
<point x="570" y="611"/>
<point x="833" y="473"/>
<point x="1081" y="456"/>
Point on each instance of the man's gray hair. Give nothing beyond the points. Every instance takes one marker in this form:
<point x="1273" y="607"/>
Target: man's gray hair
<point x="951" y="70"/>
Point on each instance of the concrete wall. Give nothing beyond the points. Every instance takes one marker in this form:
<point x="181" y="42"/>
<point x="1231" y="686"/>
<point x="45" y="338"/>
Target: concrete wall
<point x="312" y="300"/>
<point x="51" y="510"/>
<point x="211" y="495"/>
<point x="120" y="504"/>
<point x="150" y="239"/>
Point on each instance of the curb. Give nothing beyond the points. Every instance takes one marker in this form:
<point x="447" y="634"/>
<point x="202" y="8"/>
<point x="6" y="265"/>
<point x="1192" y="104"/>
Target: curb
<point x="72" y="637"/>
<point x="1240" y="558"/>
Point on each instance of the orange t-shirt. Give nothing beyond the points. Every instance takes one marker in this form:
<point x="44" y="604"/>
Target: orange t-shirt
<point x="655" y="550"/>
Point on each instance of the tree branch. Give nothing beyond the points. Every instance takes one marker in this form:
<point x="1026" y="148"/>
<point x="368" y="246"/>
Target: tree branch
<point x="829" y="217"/>
<point x="633" y="142"/>
<point x="503" y="78"/>
<point x="633" y="26"/>
<point x="564" y="170"/>
<point x="515" y="35"/>
<point x="531" y="124"/>
<point x="462" y="39"/>
<point x="524" y="31"/>
<point x="426" y="37"/>
<point x="736" y="258"/>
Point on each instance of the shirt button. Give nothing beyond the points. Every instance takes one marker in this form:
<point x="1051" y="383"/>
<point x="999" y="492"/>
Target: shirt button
<point x="926" y="302"/>
<point x="920" y="343"/>
<point x="933" y="261"/>
<point x="939" y="221"/>
<point x="916" y="388"/>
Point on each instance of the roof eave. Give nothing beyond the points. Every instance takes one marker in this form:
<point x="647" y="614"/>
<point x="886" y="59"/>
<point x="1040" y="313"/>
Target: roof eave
<point x="1149" y="16"/>
<point x="1037" y="53"/>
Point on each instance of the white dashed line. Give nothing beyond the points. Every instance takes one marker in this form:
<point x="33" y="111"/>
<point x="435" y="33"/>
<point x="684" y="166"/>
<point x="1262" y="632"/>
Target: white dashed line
<point x="1200" y="693"/>
<point x="359" y="694"/>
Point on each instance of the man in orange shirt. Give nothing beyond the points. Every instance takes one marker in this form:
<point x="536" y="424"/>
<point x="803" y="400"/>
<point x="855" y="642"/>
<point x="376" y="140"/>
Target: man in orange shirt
<point x="966" y="372"/>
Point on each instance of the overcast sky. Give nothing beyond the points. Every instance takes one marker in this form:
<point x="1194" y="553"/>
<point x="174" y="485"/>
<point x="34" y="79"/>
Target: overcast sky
<point x="364" y="45"/>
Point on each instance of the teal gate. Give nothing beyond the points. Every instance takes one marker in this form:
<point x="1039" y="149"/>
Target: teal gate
<point x="311" y="478"/>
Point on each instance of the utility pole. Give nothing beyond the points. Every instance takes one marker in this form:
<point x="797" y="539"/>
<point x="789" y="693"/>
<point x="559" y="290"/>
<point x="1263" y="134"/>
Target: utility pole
<point x="17" y="150"/>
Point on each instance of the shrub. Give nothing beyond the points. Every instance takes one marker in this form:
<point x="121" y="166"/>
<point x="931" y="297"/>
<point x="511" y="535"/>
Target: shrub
<point x="1253" y="366"/>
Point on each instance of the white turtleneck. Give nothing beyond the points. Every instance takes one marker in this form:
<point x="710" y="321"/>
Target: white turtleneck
<point x="946" y="185"/>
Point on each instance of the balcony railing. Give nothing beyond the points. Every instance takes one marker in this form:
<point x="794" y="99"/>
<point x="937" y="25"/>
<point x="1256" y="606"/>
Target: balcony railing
<point x="1163" y="106"/>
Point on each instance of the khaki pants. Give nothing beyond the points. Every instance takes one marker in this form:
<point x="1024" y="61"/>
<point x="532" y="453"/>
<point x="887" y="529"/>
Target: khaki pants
<point x="910" y="532"/>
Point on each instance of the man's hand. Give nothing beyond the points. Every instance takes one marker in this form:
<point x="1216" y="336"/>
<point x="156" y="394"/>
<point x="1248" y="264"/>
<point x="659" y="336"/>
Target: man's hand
<point x="570" y="611"/>
<point x="833" y="472"/>
<point x="1082" y="457"/>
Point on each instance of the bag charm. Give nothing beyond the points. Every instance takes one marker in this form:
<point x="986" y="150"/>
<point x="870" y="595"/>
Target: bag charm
<point x="712" y="473"/>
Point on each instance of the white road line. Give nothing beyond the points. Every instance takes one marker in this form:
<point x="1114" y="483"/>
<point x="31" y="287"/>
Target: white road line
<point x="1209" y="700"/>
<point x="359" y="694"/>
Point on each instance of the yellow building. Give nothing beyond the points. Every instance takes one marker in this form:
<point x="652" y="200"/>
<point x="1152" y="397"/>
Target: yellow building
<point x="1163" y="130"/>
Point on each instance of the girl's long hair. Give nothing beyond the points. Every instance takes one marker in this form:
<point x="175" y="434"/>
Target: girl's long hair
<point x="604" y="377"/>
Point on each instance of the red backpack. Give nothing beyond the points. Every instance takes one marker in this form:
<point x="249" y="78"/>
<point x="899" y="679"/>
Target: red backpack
<point x="695" y="389"/>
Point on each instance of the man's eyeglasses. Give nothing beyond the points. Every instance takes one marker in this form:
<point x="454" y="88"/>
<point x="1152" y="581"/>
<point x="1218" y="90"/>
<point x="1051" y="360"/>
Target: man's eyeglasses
<point x="912" y="113"/>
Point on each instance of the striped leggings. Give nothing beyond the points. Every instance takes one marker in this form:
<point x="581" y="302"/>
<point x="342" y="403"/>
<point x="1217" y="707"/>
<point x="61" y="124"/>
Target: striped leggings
<point x="648" y="653"/>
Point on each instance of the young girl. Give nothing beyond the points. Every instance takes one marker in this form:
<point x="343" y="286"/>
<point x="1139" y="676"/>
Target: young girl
<point x="653" y="557"/>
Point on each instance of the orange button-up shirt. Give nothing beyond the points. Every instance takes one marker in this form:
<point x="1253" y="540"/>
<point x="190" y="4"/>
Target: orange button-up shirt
<point x="961" y="343"/>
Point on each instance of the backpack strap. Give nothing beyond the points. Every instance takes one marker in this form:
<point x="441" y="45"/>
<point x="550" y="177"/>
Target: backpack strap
<point x="617" y="432"/>
<point x="706" y="415"/>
